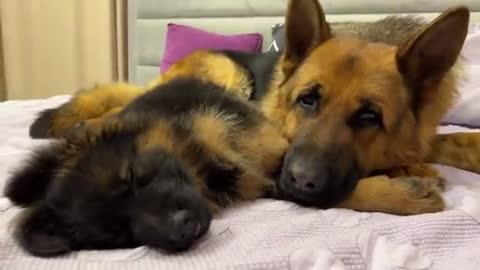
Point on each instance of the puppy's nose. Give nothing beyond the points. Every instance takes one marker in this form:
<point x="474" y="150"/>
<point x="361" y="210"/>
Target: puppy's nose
<point x="186" y="228"/>
<point x="305" y="178"/>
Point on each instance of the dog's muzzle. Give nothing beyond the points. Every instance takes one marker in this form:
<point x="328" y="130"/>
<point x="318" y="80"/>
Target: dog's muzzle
<point x="317" y="178"/>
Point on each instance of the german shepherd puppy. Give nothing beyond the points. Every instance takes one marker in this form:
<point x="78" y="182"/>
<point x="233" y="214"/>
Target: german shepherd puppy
<point x="156" y="172"/>
<point x="152" y="174"/>
<point x="353" y="101"/>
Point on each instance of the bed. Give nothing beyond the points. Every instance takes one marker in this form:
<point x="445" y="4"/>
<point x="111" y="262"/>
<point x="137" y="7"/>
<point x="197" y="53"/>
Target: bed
<point x="271" y="234"/>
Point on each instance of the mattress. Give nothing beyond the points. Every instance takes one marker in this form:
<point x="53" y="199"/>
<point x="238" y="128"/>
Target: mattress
<point x="270" y="234"/>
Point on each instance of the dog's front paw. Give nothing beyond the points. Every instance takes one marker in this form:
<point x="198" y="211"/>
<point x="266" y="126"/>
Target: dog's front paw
<point x="83" y="132"/>
<point x="76" y="132"/>
<point x="418" y="170"/>
<point x="417" y="195"/>
<point x="403" y="195"/>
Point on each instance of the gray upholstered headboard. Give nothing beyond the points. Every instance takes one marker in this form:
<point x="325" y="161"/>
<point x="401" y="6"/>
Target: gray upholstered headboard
<point x="147" y="21"/>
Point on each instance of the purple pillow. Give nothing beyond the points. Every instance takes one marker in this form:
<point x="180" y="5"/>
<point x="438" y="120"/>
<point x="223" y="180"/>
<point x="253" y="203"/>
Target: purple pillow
<point x="182" y="40"/>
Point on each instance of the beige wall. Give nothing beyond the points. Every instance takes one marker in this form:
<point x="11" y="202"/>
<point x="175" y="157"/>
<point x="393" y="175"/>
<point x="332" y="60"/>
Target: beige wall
<point x="3" y="88"/>
<point x="54" y="47"/>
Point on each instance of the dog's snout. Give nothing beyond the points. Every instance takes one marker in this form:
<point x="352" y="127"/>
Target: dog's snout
<point x="318" y="176"/>
<point x="304" y="177"/>
<point x="186" y="228"/>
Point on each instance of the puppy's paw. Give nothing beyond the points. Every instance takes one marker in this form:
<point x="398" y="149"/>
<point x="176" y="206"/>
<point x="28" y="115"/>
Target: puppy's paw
<point x="76" y="132"/>
<point x="83" y="132"/>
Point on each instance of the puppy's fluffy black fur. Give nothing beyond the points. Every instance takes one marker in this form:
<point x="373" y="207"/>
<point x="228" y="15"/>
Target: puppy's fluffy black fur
<point x="146" y="176"/>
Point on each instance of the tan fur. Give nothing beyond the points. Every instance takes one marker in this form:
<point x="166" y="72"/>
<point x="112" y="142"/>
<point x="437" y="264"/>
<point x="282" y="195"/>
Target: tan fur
<point x="212" y="67"/>
<point x="159" y="134"/>
<point x="401" y="196"/>
<point x="92" y="103"/>
<point x="267" y="143"/>
<point x="445" y="150"/>
<point x="217" y="132"/>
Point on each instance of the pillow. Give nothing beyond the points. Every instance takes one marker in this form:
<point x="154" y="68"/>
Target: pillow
<point x="466" y="111"/>
<point x="278" y="38"/>
<point x="182" y="40"/>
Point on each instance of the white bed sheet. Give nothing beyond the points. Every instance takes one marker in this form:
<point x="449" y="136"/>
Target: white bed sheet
<point x="271" y="234"/>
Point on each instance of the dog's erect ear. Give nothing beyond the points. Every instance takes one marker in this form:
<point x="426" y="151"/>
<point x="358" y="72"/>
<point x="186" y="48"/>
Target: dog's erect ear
<point x="40" y="234"/>
<point x="30" y="182"/>
<point x="427" y="57"/>
<point x="305" y="29"/>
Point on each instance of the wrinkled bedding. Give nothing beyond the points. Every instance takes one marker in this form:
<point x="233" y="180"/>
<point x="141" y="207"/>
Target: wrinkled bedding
<point x="271" y="234"/>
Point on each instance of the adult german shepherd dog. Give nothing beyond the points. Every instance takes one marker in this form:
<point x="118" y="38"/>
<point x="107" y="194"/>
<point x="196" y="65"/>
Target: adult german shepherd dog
<point x="351" y="101"/>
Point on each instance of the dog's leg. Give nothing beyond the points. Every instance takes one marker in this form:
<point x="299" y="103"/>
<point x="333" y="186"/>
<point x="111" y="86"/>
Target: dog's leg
<point x="460" y="150"/>
<point x="401" y="195"/>
<point x="84" y="105"/>
<point x="421" y="170"/>
<point x="90" y="127"/>
<point x="112" y="122"/>
<point x="100" y="120"/>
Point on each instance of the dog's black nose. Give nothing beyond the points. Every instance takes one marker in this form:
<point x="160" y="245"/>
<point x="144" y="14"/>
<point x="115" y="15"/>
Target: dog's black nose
<point x="304" y="178"/>
<point x="317" y="177"/>
<point x="186" y="228"/>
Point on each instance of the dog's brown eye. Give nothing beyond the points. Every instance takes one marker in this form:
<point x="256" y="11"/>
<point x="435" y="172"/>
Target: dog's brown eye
<point x="366" y="118"/>
<point x="309" y="100"/>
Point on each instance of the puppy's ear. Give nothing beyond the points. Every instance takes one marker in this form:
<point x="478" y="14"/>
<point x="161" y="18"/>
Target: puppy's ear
<point x="30" y="182"/>
<point x="305" y="28"/>
<point x="40" y="234"/>
<point x="428" y="56"/>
